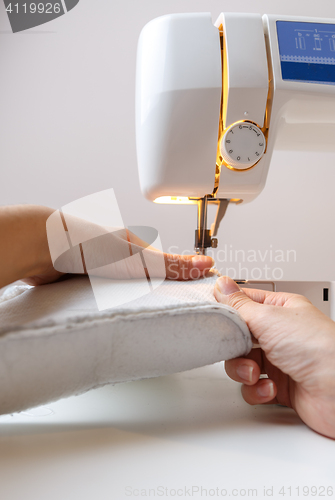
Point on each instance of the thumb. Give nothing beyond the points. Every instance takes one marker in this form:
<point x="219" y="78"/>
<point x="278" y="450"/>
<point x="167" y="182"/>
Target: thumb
<point x="229" y="293"/>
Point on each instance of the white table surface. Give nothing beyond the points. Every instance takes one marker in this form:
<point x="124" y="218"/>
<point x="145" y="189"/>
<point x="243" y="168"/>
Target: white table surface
<point x="162" y="436"/>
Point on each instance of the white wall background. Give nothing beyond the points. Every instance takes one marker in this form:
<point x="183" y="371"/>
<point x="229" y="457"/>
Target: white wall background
<point x="67" y="130"/>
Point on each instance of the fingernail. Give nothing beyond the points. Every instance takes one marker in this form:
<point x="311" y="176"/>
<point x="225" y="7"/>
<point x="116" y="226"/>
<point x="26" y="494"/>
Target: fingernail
<point x="227" y="286"/>
<point x="266" y="390"/>
<point x="245" y="372"/>
<point x="202" y="262"/>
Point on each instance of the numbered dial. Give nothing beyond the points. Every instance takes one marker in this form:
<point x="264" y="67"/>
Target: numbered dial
<point x="242" y="146"/>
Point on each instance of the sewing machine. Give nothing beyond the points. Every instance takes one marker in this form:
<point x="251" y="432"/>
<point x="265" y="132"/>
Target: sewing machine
<point x="211" y="101"/>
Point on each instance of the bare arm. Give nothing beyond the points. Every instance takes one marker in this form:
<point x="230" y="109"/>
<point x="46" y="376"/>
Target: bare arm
<point x="24" y="248"/>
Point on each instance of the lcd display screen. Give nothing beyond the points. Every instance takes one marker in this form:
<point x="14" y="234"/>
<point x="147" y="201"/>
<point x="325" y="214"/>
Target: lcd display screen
<point x="307" y="51"/>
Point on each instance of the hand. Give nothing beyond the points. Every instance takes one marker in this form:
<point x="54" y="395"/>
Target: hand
<point x="297" y="352"/>
<point x="112" y="256"/>
<point x="25" y="255"/>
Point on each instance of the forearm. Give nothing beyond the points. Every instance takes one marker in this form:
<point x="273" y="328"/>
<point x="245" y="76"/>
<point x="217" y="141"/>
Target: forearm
<point x="23" y="241"/>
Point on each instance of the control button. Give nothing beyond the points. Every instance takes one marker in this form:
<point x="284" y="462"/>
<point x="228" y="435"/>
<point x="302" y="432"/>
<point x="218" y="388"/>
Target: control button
<point x="242" y="146"/>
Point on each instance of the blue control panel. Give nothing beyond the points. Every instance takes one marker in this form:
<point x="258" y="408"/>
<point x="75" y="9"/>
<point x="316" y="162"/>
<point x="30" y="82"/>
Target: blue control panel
<point x="307" y="51"/>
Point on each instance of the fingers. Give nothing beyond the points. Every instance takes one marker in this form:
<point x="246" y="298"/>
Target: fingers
<point x="225" y="286"/>
<point x="264" y="391"/>
<point x="126" y="262"/>
<point x="177" y="267"/>
<point x="254" y="390"/>
<point x="245" y="371"/>
<point x="187" y="267"/>
<point x="276" y="298"/>
<point x="268" y="297"/>
<point x="274" y="389"/>
<point x="261" y="296"/>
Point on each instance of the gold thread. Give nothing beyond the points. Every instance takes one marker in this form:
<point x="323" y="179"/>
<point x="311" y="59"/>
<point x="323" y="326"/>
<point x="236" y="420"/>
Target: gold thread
<point x="223" y="110"/>
<point x="223" y="62"/>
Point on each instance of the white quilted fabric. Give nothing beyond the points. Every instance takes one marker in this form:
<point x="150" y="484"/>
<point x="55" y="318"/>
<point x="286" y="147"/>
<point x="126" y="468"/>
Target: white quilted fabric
<point x="55" y="343"/>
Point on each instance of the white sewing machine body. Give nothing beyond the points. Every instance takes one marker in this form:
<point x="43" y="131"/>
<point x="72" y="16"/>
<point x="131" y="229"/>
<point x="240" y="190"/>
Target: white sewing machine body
<point x="249" y="78"/>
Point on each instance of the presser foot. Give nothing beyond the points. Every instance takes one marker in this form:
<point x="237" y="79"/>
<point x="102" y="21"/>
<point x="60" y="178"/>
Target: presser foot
<point x="206" y="238"/>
